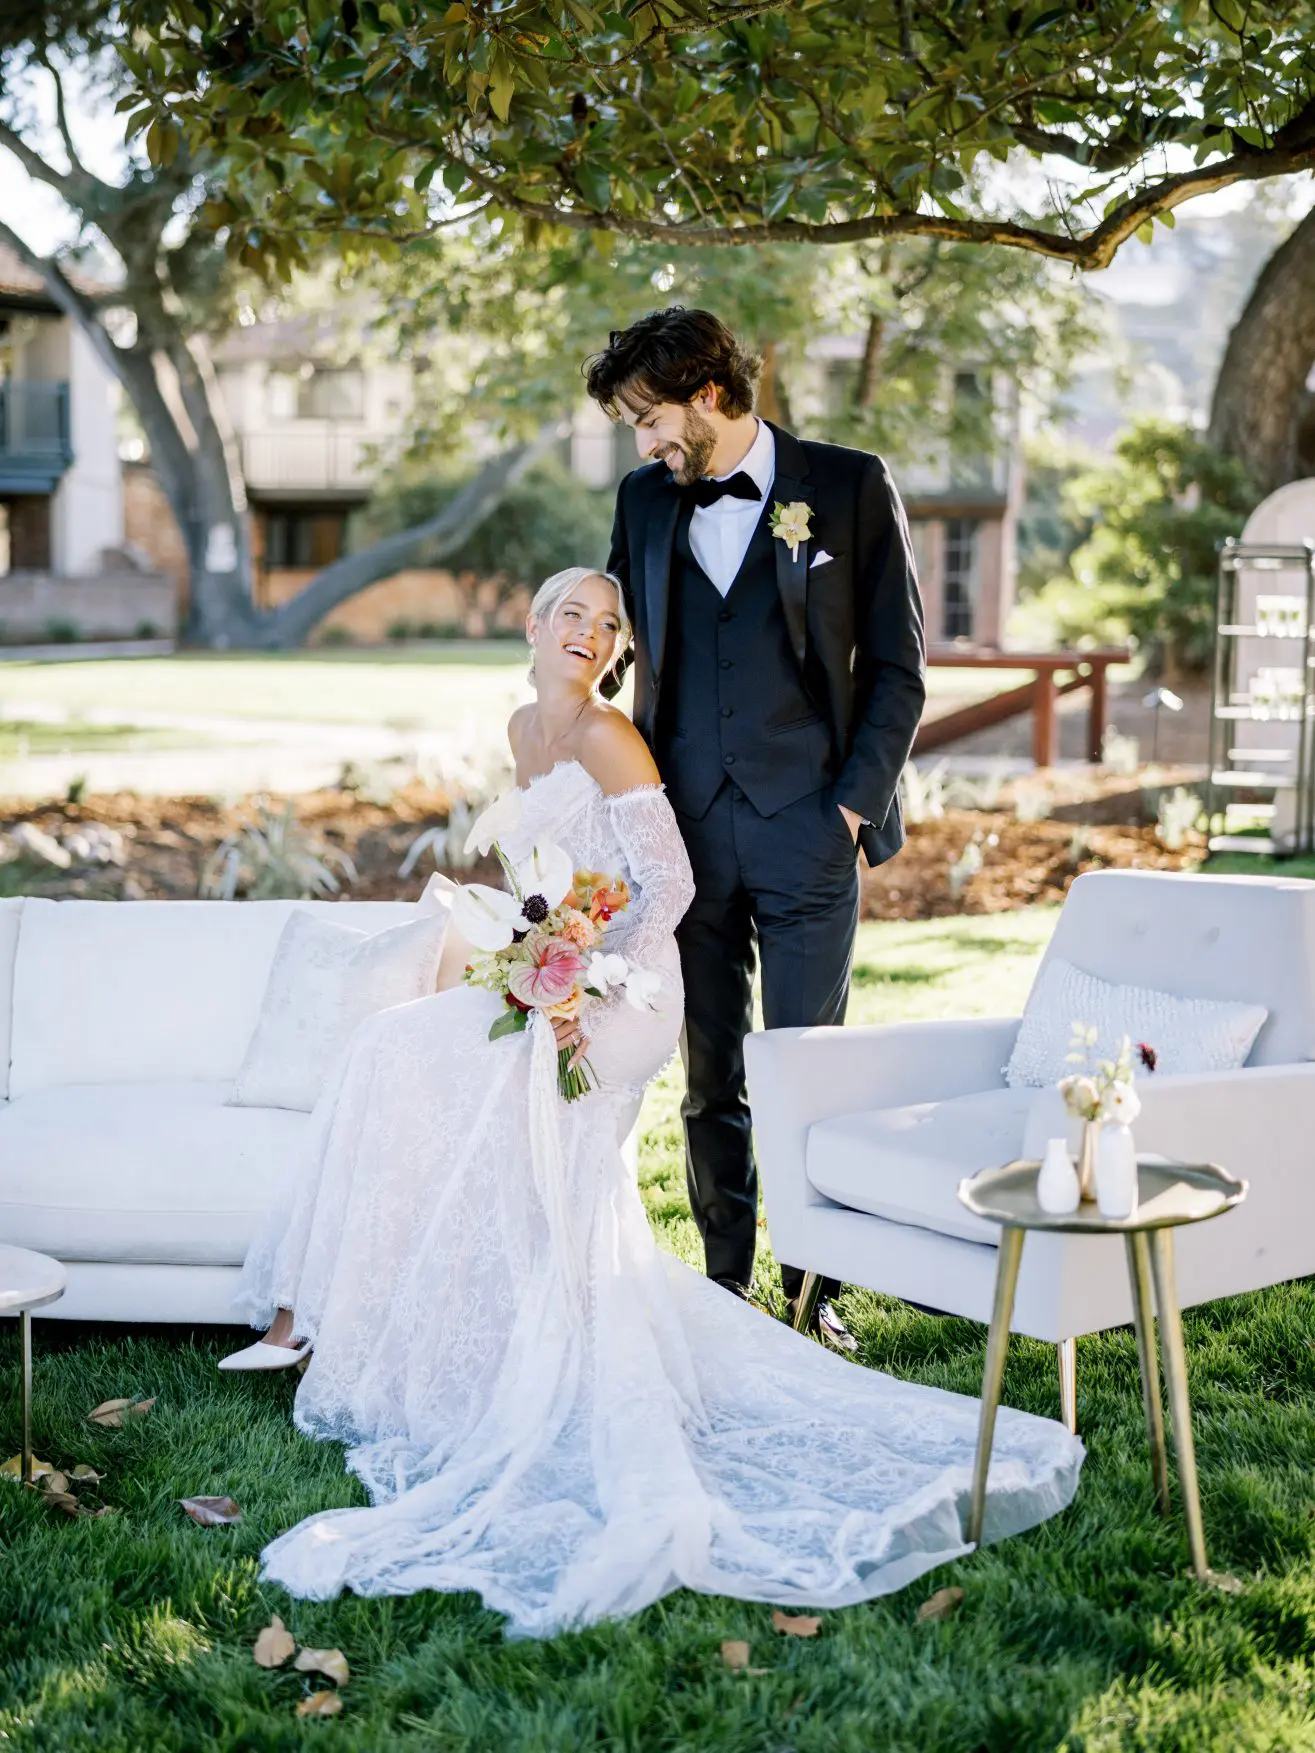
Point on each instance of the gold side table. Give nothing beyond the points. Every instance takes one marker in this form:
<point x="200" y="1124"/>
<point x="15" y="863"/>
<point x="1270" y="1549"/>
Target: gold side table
<point x="28" y="1281"/>
<point x="1170" y="1194"/>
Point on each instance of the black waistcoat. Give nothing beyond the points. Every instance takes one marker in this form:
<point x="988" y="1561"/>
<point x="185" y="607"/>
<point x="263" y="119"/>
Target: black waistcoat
<point x="733" y="704"/>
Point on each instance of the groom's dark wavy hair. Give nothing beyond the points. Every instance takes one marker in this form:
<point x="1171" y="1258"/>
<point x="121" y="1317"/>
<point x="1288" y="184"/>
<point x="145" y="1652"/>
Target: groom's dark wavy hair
<point x="669" y="356"/>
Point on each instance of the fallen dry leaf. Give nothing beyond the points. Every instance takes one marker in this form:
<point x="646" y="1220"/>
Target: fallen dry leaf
<point x="55" y="1482"/>
<point x="13" y="1468"/>
<point x="274" y="1645"/>
<point x="62" y="1500"/>
<point x="942" y="1605"/>
<point x="212" y="1512"/>
<point x="320" y="1704"/>
<point x="84" y="1475"/>
<point x="796" y="1624"/>
<point x="110" y="1414"/>
<point x="735" y="1654"/>
<point x="331" y="1663"/>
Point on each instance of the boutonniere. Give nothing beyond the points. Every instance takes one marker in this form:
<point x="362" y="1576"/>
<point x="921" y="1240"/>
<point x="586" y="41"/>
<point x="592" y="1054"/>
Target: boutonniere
<point x="790" y="523"/>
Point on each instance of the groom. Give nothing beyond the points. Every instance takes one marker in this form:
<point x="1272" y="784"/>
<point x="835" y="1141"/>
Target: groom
<point x="779" y="668"/>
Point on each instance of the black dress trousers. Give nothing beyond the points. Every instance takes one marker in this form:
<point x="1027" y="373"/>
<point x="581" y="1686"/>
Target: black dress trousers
<point x="789" y="883"/>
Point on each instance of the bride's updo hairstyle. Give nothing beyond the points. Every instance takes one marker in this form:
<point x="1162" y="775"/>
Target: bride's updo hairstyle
<point x="553" y="592"/>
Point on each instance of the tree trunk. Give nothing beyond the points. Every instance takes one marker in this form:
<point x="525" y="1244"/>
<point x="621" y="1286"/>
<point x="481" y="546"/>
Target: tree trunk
<point x="1259" y="407"/>
<point x="865" y="387"/>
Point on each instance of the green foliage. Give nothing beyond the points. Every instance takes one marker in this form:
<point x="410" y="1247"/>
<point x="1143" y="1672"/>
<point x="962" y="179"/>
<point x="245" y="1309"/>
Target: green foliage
<point x="1049" y="528"/>
<point x="548" y="520"/>
<point x="711" y="119"/>
<point x="1146" y="569"/>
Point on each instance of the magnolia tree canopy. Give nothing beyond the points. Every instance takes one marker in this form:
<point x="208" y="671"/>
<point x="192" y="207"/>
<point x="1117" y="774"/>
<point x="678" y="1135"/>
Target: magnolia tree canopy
<point x="703" y="121"/>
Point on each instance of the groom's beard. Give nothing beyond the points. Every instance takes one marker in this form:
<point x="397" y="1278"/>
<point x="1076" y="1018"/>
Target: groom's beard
<point x="697" y="442"/>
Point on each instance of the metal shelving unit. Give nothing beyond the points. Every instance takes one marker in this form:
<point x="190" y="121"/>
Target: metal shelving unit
<point x="1262" y="707"/>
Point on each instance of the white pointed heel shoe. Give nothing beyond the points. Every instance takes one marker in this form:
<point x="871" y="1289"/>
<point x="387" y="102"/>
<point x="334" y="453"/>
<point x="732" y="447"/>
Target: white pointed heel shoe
<point x="262" y="1356"/>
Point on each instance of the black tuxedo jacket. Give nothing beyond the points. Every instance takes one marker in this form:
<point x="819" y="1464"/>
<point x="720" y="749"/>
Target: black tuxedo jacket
<point x="855" y="619"/>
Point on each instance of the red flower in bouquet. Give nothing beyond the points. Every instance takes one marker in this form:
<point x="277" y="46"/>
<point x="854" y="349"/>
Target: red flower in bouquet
<point x="548" y="973"/>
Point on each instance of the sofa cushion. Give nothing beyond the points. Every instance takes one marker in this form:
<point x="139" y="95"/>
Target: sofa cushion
<point x="11" y="913"/>
<point x="107" y="991"/>
<point x="142" y="1172"/>
<point x="326" y="978"/>
<point x="905" y="1163"/>
<point x="1187" y="1034"/>
<point x="1245" y="939"/>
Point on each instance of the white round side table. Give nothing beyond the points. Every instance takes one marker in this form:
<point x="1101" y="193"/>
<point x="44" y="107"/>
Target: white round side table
<point x="28" y="1281"/>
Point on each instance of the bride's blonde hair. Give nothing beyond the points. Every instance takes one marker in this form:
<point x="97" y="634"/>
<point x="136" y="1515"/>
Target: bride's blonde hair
<point x="553" y="592"/>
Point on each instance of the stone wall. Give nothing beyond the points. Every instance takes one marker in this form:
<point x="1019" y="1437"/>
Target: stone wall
<point x="37" y="607"/>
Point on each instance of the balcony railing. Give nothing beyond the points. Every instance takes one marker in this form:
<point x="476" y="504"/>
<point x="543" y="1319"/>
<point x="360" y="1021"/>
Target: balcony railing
<point x="34" y="436"/>
<point x="322" y="460"/>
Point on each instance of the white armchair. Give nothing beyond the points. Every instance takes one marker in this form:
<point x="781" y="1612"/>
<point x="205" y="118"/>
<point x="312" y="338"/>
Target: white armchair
<point x="864" y="1133"/>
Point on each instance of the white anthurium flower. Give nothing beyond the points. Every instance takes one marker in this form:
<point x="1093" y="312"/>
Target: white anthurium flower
<point x="502" y="815"/>
<point x="544" y="880"/>
<point x="488" y="918"/>
<point x="606" y="970"/>
<point x="642" y="988"/>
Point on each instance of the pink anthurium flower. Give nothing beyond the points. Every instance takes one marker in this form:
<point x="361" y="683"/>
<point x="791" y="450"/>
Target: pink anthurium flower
<point x="548" y="975"/>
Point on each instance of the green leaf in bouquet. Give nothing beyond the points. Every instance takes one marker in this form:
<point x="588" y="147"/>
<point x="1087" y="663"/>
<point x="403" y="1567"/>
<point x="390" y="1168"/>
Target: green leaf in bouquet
<point x="511" y="1022"/>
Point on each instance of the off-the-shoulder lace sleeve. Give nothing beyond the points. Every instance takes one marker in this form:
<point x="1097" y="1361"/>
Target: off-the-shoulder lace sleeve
<point x="646" y="831"/>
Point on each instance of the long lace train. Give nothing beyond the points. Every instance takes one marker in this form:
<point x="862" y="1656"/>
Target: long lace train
<point x="543" y="1406"/>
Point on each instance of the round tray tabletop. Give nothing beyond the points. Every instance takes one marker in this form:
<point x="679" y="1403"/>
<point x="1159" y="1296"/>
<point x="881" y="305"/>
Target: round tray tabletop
<point x="1168" y="1193"/>
<point x="27" y="1279"/>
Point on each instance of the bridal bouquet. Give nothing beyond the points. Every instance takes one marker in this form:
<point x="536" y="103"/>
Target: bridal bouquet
<point x="541" y="940"/>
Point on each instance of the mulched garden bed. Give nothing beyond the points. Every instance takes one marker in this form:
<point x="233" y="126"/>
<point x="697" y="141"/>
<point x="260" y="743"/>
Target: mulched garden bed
<point x="167" y="841"/>
<point x="1022" y="863"/>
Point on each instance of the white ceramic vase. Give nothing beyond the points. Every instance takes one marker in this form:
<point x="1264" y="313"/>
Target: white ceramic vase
<point x="1057" y="1182"/>
<point x="1116" y="1172"/>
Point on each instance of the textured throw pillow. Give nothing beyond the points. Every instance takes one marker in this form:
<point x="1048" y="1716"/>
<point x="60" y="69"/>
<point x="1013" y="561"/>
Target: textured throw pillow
<point x="1188" y="1034"/>
<point x="325" y="979"/>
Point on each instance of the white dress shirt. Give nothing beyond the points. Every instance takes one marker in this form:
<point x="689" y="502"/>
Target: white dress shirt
<point x="719" y="535"/>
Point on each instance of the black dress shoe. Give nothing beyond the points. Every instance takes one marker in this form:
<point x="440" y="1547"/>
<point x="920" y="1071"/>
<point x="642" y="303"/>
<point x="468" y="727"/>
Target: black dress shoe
<point x="734" y="1287"/>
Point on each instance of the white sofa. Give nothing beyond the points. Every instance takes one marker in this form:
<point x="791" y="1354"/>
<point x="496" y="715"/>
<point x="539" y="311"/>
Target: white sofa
<point x="864" y="1133"/>
<point x="122" y="1027"/>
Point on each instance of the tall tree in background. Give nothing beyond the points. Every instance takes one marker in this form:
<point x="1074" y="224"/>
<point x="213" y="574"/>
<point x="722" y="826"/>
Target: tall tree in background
<point x="726" y="121"/>
<point x="1262" y="412"/>
<point x="171" y="284"/>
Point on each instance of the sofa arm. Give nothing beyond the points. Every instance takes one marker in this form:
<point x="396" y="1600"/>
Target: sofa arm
<point x="797" y="1077"/>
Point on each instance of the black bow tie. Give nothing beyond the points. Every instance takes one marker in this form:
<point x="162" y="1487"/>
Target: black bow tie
<point x="738" y="486"/>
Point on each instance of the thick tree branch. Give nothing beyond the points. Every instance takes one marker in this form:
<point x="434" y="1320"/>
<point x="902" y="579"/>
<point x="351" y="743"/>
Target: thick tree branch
<point x="64" y="183"/>
<point x="441" y="536"/>
<point x="1090" y="250"/>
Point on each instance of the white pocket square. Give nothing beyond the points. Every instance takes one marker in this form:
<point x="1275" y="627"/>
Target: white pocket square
<point x="820" y="558"/>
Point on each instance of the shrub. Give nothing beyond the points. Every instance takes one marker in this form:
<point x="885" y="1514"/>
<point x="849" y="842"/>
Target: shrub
<point x="274" y="859"/>
<point x="60" y="631"/>
<point x="1146" y="569"/>
<point x="547" y="521"/>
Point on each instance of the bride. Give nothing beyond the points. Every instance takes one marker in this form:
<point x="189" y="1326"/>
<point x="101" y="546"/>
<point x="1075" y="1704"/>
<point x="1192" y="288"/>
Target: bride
<point x="543" y="1406"/>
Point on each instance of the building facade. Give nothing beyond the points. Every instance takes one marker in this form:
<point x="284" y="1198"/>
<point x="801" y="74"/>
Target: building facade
<point x="64" y="571"/>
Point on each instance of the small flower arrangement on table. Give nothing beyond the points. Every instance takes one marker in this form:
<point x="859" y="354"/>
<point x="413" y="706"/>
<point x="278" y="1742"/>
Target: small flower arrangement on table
<point x="539" y="940"/>
<point x="1102" y="1092"/>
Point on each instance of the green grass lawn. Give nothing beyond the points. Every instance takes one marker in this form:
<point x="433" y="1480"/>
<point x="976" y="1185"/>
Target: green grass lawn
<point x="434" y="687"/>
<point x="133" y="1631"/>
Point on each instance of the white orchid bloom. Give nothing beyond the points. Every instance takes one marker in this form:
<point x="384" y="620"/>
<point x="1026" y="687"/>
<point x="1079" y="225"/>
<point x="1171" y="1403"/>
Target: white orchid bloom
<point x="642" y="988"/>
<point x="606" y="970"/>
<point x="544" y="879"/>
<point x="488" y="918"/>
<point x="502" y="815"/>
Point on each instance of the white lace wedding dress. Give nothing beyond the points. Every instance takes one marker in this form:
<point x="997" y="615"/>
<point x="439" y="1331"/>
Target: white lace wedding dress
<point x="545" y="1407"/>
